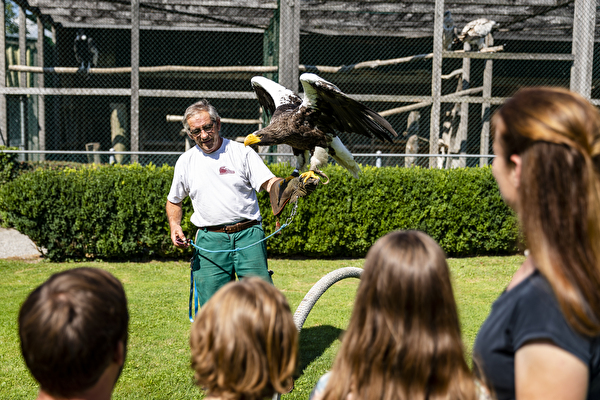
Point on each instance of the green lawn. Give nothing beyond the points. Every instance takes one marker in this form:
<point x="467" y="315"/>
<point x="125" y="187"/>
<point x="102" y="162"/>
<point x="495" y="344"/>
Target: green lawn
<point x="157" y="364"/>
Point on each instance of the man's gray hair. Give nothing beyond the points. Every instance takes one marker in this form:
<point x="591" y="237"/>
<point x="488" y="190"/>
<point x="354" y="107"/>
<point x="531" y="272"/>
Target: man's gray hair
<point x="198" y="107"/>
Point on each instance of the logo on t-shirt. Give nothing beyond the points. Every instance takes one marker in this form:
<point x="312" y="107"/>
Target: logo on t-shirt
<point x="225" y="171"/>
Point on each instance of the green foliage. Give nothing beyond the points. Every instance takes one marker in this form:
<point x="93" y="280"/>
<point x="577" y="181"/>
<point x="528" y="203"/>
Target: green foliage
<point x="10" y="16"/>
<point x="116" y="212"/>
<point x="107" y="212"/>
<point x="9" y="165"/>
<point x="461" y="209"/>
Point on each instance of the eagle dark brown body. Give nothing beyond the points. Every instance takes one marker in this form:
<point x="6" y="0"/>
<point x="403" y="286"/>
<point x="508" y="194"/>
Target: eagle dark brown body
<point x="311" y="125"/>
<point x="300" y="121"/>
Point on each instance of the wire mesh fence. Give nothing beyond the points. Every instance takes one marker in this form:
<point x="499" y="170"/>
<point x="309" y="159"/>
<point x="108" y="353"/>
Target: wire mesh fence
<point x="380" y="53"/>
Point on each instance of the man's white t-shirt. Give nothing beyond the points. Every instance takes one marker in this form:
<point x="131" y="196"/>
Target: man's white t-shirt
<point x="222" y="185"/>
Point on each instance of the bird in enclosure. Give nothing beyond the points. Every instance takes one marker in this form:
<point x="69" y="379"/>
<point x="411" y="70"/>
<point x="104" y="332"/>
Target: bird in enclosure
<point x="86" y="52"/>
<point x="474" y="32"/>
<point x="449" y="32"/>
<point x="310" y="125"/>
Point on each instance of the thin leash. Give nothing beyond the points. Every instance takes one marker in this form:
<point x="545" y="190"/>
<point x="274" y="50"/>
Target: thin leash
<point x="194" y="289"/>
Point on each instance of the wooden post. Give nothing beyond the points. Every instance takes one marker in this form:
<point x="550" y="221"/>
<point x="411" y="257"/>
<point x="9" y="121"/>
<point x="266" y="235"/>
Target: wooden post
<point x="3" y="110"/>
<point x="289" y="43"/>
<point x="436" y="82"/>
<point x="41" y="83"/>
<point x="484" y="147"/>
<point x="23" y="77"/>
<point x="56" y="100"/>
<point x="584" y="22"/>
<point x="135" y="79"/>
<point x="118" y="126"/>
<point x="458" y="146"/>
<point x="289" y="53"/>
<point x="412" y="132"/>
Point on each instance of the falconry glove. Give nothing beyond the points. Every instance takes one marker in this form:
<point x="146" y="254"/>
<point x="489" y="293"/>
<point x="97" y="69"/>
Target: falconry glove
<point x="290" y="189"/>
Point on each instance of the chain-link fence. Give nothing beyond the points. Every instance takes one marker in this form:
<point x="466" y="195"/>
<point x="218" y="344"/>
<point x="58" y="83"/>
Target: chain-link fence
<point x="380" y="53"/>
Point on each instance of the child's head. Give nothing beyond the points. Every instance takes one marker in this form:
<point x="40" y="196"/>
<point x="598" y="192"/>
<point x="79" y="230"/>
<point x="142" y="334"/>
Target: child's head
<point x="406" y="285"/>
<point x="244" y="342"/>
<point x="403" y="340"/>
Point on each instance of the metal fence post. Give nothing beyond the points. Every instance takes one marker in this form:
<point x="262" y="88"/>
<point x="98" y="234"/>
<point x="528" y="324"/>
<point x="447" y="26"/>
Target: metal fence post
<point x="484" y="147"/>
<point x="3" y="110"/>
<point x="584" y="22"/>
<point x="289" y="52"/>
<point x="41" y="83"/>
<point x="135" y="79"/>
<point x="23" y="77"/>
<point x="436" y="82"/>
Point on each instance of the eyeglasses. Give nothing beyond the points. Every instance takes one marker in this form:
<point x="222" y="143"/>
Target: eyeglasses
<point x="208" y="128"/>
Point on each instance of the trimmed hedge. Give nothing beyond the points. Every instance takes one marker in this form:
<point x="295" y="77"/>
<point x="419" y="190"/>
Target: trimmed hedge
<point x="116" y="212"/>
<point x="9" y="165"/>
<point x="460" y="208"/>
<point x="105" y="212"/>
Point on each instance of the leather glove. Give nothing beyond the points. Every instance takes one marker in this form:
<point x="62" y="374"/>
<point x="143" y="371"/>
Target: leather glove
<point x="290" y="189"/>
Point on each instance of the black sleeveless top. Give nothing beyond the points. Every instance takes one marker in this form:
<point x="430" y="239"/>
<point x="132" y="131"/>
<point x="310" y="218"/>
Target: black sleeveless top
<point x="529" y="311"/>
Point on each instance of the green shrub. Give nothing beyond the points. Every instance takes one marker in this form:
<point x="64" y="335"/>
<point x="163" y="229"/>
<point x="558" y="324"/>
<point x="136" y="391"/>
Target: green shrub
<point x="9" y="165"/>
<point x="114" y="212"/>
<point x="106" y="212"/>
<point x="460" y="208"/>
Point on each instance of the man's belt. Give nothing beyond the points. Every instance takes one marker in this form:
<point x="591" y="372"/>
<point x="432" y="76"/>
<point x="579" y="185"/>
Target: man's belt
<point x="240" y="226"/>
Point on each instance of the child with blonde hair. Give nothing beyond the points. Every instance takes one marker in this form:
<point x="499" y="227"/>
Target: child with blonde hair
<point x="244" y="342"/>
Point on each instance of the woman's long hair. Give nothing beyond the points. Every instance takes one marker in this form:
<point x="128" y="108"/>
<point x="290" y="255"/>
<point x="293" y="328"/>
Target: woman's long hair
<point x="403" y="341"/>
<point x="557" y="134"/>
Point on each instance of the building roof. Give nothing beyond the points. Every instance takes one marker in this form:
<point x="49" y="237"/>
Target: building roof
<point x="522" y="20"/>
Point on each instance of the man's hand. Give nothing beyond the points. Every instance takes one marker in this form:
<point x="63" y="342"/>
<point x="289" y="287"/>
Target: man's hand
<point x="289" y="190"/>
<point x="174" y="214"/>
<point x="178" y="238"/>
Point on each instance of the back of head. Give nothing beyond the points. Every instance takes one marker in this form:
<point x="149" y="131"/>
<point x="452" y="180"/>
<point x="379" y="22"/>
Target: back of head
<point x="557" y="135"/>
<point x="244" y="342"/>
<point x="70" y="328"/>
<point x="403" y="340"/>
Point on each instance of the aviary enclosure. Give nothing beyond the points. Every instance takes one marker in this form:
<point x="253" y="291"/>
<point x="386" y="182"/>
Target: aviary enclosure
<point x="152" y="58"/>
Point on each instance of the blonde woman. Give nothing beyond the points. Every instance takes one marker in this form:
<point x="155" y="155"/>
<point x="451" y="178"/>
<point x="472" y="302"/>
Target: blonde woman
<point x="403" y="340"/>
<point x="541" y="339"/>
<point x="244" y="342"/>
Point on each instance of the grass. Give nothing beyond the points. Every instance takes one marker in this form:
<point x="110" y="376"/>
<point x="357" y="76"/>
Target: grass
<point x="157" y="365"/>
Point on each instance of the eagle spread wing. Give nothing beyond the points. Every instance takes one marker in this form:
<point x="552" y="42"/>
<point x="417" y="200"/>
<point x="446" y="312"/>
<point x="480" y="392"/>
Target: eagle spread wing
<point x="340" y="112"/>
<point x="272" y="95"/>
<point x="310" y="125"/>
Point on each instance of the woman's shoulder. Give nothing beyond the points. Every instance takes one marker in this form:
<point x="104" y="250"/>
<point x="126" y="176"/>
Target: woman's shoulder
<point x="317" y="392"/>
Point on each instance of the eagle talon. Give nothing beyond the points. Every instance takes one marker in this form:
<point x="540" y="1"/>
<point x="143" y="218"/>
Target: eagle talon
<point x="307" y="175"/>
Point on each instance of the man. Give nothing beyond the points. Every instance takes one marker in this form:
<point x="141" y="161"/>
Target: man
<point x="222" y="177"/>
<point x="73" y="331"/>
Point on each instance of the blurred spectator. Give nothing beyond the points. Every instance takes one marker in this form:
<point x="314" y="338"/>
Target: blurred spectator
<point x="244" y="342"/>
<point x="403" y="340"/>
<point x="73" y="331"/>
<point x="541" y="339"/>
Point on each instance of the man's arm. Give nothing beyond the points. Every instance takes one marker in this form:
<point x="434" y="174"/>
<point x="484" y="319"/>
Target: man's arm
<point x="267" y="184"/>
<point x="545" y="371"/>
<point x="174" y="215"/>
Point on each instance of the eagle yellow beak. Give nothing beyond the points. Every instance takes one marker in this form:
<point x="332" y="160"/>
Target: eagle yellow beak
<point x="251" y="139"/>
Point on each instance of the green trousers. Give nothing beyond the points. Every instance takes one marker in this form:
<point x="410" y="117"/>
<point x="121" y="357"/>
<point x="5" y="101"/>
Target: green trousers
<point x="213" y="270"/>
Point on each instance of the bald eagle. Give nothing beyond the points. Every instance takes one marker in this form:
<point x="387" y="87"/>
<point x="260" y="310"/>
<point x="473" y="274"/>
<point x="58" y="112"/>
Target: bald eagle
<point x="311" y="125"/>
<point x="475" y="32"/>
